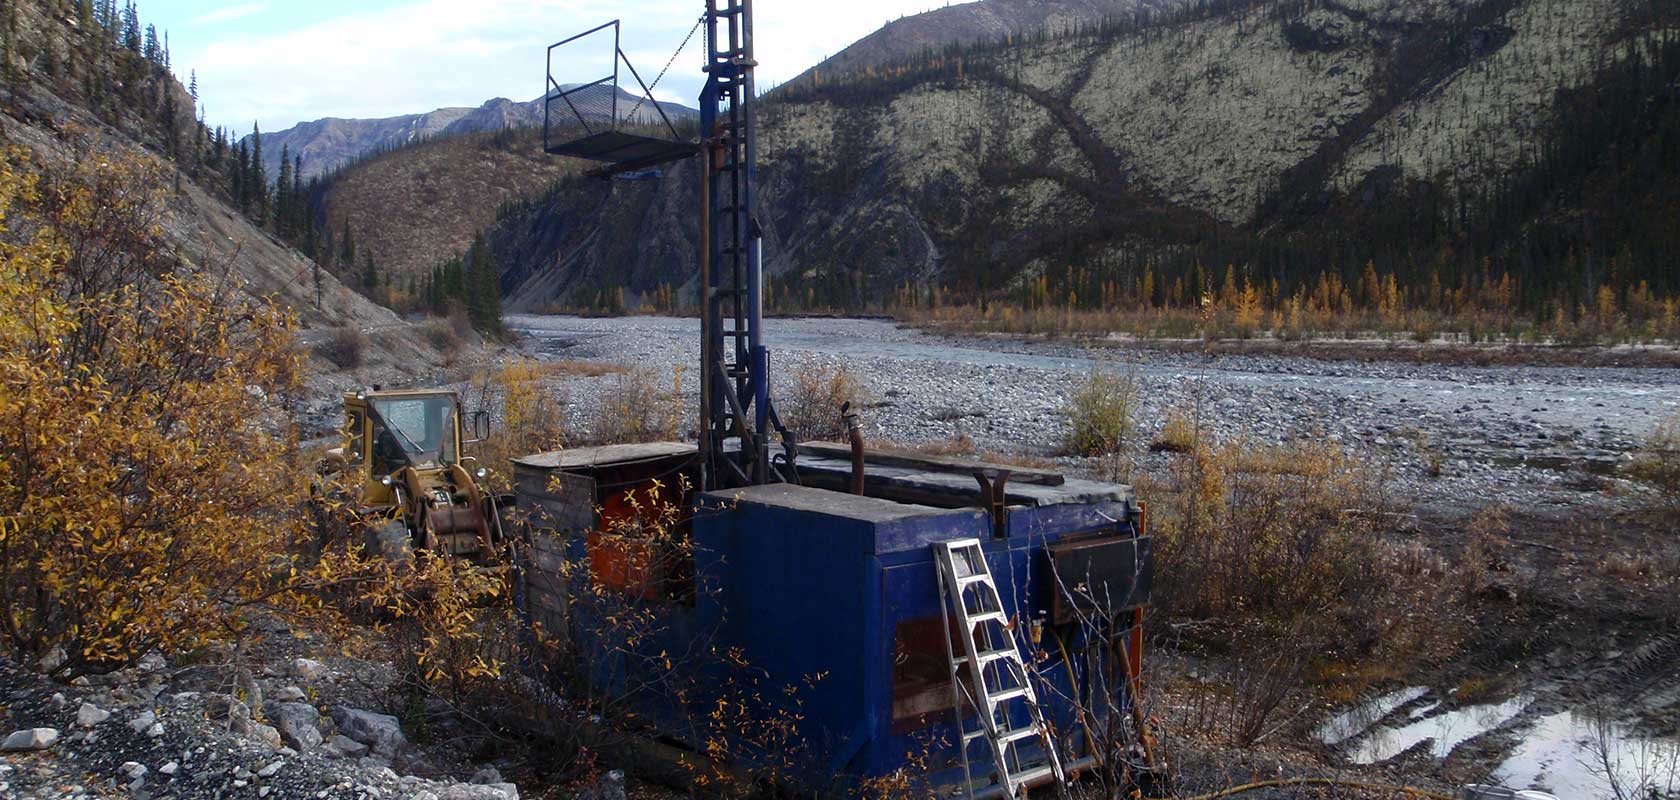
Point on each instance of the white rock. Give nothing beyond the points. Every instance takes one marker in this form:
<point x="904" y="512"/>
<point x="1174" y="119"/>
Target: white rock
<point x="54" y="659"/>
<point x="58" y="700"/>
<point x="155" y="731"/>
<point x="508" y="790"/>
<point x="263" y="792"/>
<point x="169" y="769"/>
<point x="271" y="770"/>
<point x="289" y="694"/>
<point x="90" y="715"/>
<point x="308" y="669"/>
<point x="133" y="769"/>
<point x="29" y="739"/>
<point x="268" y="735"/>
<point x="144" y="721"/>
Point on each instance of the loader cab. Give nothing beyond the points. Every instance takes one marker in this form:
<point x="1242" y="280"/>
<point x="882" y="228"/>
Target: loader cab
<point x="386" y="432"/>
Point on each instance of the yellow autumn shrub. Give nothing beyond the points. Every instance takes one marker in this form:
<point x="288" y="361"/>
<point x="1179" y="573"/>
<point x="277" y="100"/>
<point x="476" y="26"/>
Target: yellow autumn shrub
<point x="146" y="486"/>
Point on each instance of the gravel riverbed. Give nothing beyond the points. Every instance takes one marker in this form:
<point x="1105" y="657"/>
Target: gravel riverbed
<point x="1527" y="436"/>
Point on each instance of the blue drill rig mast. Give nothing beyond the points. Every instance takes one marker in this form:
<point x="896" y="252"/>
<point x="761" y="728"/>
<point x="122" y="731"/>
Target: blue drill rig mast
<point x="737" y="416"/>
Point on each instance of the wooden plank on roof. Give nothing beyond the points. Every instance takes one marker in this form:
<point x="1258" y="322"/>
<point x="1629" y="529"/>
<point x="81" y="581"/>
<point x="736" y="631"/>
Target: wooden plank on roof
<point x="913" y="460"/>
<point x="605" y="455"/>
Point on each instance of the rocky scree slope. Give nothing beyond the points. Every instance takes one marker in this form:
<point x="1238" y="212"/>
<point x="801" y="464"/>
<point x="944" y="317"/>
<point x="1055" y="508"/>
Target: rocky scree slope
<point x="1251" y="120"/>
<point x="301" y="728"/>
<point x="331" y="142"/>
<point x="47" y="111"/>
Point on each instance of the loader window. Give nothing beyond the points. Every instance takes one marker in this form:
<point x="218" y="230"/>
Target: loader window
<point x="420" y="429"/>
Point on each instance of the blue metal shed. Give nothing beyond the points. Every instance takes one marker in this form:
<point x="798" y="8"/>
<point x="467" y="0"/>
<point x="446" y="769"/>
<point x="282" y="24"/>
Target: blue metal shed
<point x="828" y="607"/>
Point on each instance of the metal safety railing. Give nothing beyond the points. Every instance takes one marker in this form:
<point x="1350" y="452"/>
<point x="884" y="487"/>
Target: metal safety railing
<point x="604" y="139"/>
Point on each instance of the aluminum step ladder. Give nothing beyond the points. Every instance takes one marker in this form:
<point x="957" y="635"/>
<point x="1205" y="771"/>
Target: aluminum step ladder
<point x="997" y="673"/>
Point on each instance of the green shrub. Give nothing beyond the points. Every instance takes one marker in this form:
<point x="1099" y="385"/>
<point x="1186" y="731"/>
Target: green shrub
<point x="1101" y="412"/>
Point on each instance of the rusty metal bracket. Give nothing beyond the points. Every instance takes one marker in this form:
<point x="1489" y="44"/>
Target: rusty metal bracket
<point x="993" y="483"/>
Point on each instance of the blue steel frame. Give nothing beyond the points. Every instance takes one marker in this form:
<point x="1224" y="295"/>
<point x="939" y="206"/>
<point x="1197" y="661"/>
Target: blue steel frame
<point x="734" y="363"/>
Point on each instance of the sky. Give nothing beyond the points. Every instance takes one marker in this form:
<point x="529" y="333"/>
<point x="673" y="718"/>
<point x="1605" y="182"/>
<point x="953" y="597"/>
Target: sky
<point x="280" y="62"/>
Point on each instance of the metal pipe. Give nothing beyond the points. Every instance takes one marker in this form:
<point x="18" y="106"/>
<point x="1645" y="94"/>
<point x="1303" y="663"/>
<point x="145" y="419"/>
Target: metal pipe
<point x="703" y="430"/>
<point x="854" y="431"/>
<point x="996" y="790"/>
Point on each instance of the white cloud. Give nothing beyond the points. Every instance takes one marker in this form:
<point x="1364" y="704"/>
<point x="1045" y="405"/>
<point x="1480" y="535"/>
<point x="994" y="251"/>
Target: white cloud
<point x="229" y="13"/>
<point x="434" y="53"/>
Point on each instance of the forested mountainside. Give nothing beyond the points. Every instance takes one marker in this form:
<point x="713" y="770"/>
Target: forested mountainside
<point x="413" y="208"/>
<point x="969" y="23"/>
<point x="326" y="144"/>
<point x="81" y="80"/>
<point x="1504" y="152"/>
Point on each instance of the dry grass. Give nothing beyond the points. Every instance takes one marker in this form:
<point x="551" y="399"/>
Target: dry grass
<point x="532" y="418"/>
<point x="1101" y="412"/>
<point x="809" y="402"/>
<point x="344" y="346"/>
<point x="1658" y="462"/>
<point x="639" y="406"/>
<point x="1264" y="550"/>
<point x="580" y="368"/>
<point x="442" y="337"/>
<point x="1179" y="434"/>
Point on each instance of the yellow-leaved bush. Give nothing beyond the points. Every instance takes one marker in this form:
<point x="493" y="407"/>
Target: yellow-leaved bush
<point x="145" y="480"/>
<point x="152" y="491"/>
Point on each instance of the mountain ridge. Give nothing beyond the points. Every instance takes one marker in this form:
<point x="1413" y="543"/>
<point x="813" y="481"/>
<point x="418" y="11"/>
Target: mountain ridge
<point x="329" y="143"/>
<point x="1285" y="139"/>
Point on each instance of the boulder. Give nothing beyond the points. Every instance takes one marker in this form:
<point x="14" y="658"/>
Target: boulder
<point x="147" y="719"/>
<point x="609" y="787"/>
<point x="308" y="669"/>
<point x="299" y="724"/>
<point x="234" y="714"/>
<point x="268" y="735"/>
<point x="29" y="740"/>
<point x="346" y="747"/>
<point x="288" y="694"/>
<point x="90" y="715"/>
<point x="487" y="775"/>
<point x="380" y="732"/>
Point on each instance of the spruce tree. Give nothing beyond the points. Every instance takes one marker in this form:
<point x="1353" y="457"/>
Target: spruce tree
<point x="370" y="276"/>
<point x="283" y="193"/>
<point x="347" y="247"/>
<point x="258" y="178"/>
<point x="131" y="27"/>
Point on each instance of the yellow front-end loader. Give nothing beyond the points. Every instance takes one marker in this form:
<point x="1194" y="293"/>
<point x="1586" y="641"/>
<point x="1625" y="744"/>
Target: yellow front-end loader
<point x="402" y="470"/>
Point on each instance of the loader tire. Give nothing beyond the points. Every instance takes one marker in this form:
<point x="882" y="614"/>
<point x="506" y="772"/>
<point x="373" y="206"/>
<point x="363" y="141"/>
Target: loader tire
<point x="391" y="541"/>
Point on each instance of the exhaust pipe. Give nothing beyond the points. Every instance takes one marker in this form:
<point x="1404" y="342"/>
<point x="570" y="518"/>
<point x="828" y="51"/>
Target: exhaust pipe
<point x="854" y="432"/>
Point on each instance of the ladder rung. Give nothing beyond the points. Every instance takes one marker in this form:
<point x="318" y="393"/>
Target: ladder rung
<point x="988" y="616"/>
<point x="989" y="656"/>
<point x="970" y="580"/>
<point x="1007" y="694"/>
<point x="1016" y="735"/>
<point x="1030" y="775"/>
